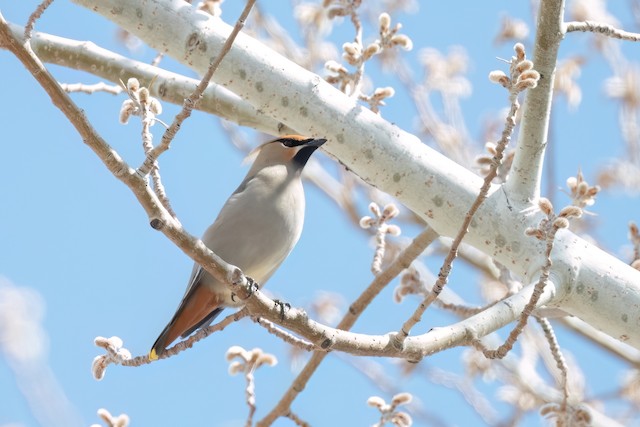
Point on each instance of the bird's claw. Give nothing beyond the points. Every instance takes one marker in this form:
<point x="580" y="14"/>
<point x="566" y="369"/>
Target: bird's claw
<point x="252" y="287"/>
<point x="283" y="307"/>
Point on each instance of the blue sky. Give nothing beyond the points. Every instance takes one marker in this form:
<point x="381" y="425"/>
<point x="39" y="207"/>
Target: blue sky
<point x="74" y="234"/>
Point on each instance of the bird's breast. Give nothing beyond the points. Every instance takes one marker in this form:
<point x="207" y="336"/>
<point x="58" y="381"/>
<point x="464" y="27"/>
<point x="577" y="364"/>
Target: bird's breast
<point x="256" y="230"/>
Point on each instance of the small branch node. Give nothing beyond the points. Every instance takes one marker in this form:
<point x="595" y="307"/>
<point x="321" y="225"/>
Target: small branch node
<point x="157" y="224"/>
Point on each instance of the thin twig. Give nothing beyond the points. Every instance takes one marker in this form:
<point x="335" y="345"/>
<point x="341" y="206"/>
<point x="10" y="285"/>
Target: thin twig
<point x="522" y="77"/>
<point x="31" y="22"/>
<point x="202" y="334"/>
<point x="156" y="61"/>
<point x="121" y="420"/>
<point x="283" y="335"/>
<point x="117" y="354"/>
<point x="91" y="89"/>
<point x="547" y="230"/>
<point x="408" y="255"/>
<point x="192" y="100"/>
<point x="296" y="419"/>
<point x="443" y="275"/>
<point x="465" y="310"/>
<point x="149" y="107"/>
<point x="602" y="29"/>
<point x="501" y="351"/>
<point x="359" y="74"/>
<point x="380" y="222"/>
<point x="168" y="86"/>
<point x="561" y="363"/>
<point x="189" y="342"/>
<point x="392" y="382"/>
<point x="250" y="361"/>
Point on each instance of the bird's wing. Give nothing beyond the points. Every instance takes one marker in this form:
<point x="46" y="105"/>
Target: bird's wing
<point x="256" y="240"/>
<point x="253" y="234"/>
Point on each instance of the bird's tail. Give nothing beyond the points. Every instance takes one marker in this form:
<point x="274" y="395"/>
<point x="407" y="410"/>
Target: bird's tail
<point x="198" y="308"/>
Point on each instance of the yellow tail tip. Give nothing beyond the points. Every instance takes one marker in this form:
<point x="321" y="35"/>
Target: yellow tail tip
<point x="153" y="355"/>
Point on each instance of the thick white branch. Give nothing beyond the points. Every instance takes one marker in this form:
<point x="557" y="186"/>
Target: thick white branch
<point x="597" y="287"/>
<point x="167" y="86"/>
<point x="526" y="171"/>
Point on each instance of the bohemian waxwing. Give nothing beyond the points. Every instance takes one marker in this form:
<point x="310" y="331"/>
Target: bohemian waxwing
<point x="255" y="230"/>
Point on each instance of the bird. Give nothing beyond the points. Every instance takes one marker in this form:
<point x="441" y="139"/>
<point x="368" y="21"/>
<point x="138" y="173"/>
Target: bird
<point x="255" y="230"/>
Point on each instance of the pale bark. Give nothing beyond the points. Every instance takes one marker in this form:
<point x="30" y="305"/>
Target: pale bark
<point x="590" y="283"/>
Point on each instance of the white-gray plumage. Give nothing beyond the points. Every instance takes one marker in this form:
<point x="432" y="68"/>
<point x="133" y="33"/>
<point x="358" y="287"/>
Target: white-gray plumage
<point x="255" y="230"/>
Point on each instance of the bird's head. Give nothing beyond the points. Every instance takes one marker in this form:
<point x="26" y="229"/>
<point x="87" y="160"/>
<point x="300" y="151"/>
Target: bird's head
<point x="292" y="150"/>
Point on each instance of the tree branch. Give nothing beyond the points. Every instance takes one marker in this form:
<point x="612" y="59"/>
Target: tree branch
<point x="408" y="255"/>
<point x="523" y="185"/>
<point x="159" y="217"/>
<point x="394" y="161"/>
<point x="194" y="98"/>
<point x="323" y="337"/>
<point x="167" y="86"/>
<point x="602" y="29"/>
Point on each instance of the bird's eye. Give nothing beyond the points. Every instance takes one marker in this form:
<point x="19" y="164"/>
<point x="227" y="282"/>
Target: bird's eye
<point x="288" y="142"/>
<point x="291" y="142"/>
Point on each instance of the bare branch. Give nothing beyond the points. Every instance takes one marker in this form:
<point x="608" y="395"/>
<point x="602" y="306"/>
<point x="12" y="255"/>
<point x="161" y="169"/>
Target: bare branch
<point x="284" y="335"/>
<point x="168" y="86"/>
<point x="295" y="320"/>
<point x="602" y="29"/>
<point x="523" y="187"/>
<point x="201" y="334"/>
<point x="195" y="97"/>
<point x="410" y="253"/>
<point x="379" y="223"/>
<point x="160" y="219"/>
<point x="121" y="420"/>
<point x="31" y="22"/>
<point x="296" y="419"/>
<point x="91" y="89"/>
<point x="143" y="105"/>
<point x="250" y="361"/>
<point x="393" y="160"/>
<point x="118" y="355"/>
<point x="558" y="357"/>
<point x="522" y="77"/>
<point x="546" y="231"/>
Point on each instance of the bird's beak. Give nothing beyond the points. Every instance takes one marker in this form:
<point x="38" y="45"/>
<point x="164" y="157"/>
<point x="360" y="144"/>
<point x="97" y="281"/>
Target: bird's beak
<point x="306" y="148"/>
<point x="316" y="142"/>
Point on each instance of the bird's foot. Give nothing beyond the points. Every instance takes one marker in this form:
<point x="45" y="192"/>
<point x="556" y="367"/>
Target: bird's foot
<point x="252" y="287"/>
<point x="283" y="307"/>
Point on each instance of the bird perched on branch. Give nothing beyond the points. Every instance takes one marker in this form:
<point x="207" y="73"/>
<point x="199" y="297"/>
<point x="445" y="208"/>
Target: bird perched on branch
<point x="255" y="230"/>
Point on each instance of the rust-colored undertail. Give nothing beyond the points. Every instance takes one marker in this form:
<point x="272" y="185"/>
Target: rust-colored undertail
<point x="198" y="307"/>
